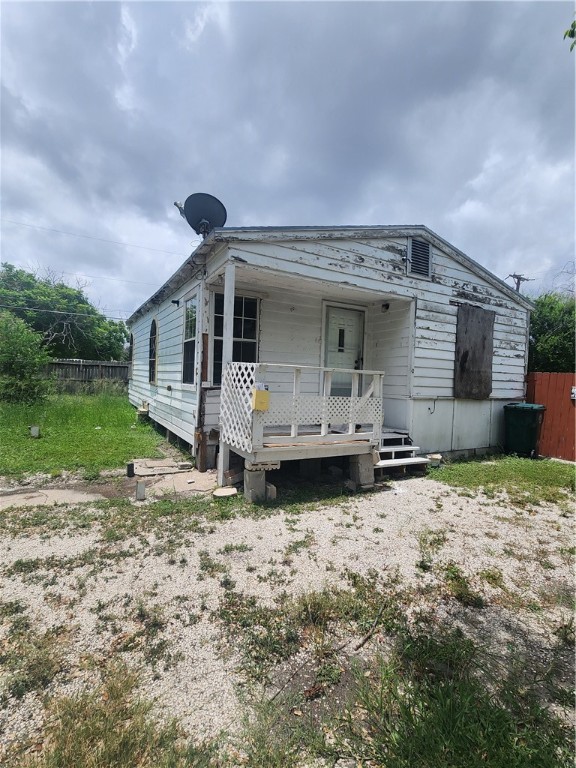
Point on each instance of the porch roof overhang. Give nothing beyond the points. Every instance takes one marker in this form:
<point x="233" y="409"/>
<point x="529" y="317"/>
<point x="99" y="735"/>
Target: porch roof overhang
<point x="257" y="280"/>
<point x="224" y="236"/>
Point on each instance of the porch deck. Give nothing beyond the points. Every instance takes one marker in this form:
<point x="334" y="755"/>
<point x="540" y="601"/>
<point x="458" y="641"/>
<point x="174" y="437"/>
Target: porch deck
<point x="271" y="413"/>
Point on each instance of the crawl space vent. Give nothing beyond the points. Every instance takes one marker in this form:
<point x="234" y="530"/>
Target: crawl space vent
<point x="419" y="258"/>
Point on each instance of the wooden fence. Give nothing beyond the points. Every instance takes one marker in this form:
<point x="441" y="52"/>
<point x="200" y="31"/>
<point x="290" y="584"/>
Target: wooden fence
<point x="71" y="375"/>
<point x="554" y="390"/>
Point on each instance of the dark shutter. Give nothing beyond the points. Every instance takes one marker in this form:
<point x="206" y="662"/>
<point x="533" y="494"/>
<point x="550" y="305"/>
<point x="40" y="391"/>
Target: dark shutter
<point x="474" y="348"/>
<point x="419" y="258"/>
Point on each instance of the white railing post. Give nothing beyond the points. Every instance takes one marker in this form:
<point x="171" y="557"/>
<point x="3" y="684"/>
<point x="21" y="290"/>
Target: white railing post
<point x="353" y="403"/>
<point x="227" y="344"/>
<point x="327" y="387"/>
<point x="296" y="393"/>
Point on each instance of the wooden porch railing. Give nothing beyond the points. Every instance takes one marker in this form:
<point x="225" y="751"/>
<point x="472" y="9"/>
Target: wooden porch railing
<point x="296" y="417"/>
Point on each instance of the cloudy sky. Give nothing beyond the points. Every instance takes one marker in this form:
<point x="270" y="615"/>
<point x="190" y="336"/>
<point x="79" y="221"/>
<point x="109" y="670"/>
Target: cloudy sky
<point x="456" y="115"/>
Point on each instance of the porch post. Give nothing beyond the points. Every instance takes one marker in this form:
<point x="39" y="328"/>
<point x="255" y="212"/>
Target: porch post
<point x="227" y="341"/>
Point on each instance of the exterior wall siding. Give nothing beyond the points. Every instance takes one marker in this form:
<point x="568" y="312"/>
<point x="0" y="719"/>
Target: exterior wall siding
<point x="173" y="408"/>
<point x="413" y="342"/>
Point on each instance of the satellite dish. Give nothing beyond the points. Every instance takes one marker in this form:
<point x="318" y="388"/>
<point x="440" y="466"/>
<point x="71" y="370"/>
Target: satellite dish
<point x="203" y="212"/>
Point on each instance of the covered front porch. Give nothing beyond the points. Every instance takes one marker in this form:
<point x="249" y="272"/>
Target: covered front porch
<point x="329" y="361"/>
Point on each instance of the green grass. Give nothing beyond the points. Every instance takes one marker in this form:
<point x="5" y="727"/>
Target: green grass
<point x="425" y="707"/>
<point x="30" y="659"/>
<point x="113" y="727"/>
<point x="526" y="481"/>
<point x="90" y="432"/>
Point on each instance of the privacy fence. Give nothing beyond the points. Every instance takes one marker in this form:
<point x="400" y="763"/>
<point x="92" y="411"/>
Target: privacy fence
<point x="87" y="375"/>
<point x="555" y="391"/>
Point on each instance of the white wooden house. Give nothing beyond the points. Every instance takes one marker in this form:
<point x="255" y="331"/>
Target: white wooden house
<point x="355" y="338"/>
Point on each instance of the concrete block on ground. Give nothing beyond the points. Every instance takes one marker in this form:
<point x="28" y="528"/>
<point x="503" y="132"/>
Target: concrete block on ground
<point x="140" y="490"/>
<point x="270" y="492"/>
<point x="362" y="469"/>
<point x="255" y="485"/>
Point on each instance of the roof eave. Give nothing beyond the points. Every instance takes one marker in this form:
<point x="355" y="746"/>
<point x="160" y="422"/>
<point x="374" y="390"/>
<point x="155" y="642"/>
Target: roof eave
<point x="229" y="235"/>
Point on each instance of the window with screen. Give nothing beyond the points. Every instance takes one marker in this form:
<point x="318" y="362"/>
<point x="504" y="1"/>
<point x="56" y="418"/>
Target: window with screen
<point x="189" y="364"/>
<point x="245" y="333"/>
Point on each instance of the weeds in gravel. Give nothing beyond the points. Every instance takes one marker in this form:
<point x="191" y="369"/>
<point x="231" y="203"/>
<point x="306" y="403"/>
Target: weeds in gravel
<point x="459" y="586"/>
<point x="494" y="577"/>
<point x="31" y="659"/>
<point x="527" y="482"/>
<point x="113" y="727"/>
<point x="430" y="703"/>
<point x="429" y="542"/>
<point x="278" y="738"/>
<point x="208" y="566"/>
<point x="267" y="636"/>
<point x="299" y="544"/>
<point x="424" y="707"/>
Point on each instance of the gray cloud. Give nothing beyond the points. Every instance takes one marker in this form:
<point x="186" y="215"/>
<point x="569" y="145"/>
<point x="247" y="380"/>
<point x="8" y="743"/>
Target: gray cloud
<point x="455" y="115"/>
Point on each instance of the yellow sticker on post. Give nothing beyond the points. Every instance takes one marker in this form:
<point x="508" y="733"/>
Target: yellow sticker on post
<point x="260" y="398"/>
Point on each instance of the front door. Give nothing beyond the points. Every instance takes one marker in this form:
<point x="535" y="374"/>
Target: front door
<point x="344" y="346"/>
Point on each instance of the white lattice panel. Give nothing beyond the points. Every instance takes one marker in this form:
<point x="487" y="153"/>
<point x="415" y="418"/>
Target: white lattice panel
<point x="310" y="409"/>
<point x="236" y="405"/>
<point x="281" y="411"/>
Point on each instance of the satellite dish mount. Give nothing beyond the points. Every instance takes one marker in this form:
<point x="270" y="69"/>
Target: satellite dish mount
<point x="203" y="213"/>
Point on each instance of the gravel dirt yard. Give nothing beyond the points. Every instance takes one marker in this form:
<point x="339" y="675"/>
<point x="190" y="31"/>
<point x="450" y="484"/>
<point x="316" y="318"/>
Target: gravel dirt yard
<point x="152" y="585"/>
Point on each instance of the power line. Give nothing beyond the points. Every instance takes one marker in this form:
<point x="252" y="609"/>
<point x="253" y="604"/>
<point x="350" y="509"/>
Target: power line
<point x="102" y="277"/>
<point x="91" y="237"/>
<point x="58" y="311"/>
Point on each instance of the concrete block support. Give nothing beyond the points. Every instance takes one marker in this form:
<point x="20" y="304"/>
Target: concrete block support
<point x="255" y="485"/>
<point x="362" y="470"/>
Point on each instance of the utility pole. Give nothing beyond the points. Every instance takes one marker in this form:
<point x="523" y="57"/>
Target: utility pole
<point x="519" y="279"/>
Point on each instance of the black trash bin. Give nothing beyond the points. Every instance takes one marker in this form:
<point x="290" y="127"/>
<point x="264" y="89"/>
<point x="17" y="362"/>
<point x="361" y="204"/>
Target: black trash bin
<point x="522" y="424"/>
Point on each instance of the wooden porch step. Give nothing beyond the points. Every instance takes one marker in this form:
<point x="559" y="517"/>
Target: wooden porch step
<point x="399" y="448"/>
<point x="409" y="460"/>
<point x="394" y="438"/>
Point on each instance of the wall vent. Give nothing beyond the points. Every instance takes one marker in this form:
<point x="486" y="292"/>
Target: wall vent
<point x="419" y="262"/>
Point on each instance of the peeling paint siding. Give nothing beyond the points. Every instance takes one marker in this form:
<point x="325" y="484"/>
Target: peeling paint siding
<point x="373" y="266"/>
<point x="175" y="409"/>
<point x="415" y="348"/>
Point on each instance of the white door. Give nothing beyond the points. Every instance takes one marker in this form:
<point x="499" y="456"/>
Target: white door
<point x="344" y="346"/>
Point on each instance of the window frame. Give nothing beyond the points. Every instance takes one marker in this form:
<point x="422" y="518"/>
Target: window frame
<point x="190" y="340"/>
<point x="153" y="361"/>
<point x="235" y="339"/>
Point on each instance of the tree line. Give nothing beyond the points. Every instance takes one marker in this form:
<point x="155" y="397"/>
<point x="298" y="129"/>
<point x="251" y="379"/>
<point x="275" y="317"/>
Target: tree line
<point x="41" y="319"/>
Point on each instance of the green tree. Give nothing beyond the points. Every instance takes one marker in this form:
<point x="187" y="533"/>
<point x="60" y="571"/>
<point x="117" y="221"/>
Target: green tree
<point x="70" y="325"/>
<point x="571" y="34"/>
<point x="552" y="334"/>
<point x="23" y="358"/>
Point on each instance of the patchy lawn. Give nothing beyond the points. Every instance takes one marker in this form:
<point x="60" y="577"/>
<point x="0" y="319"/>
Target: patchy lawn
<point x="420" y="625"/>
